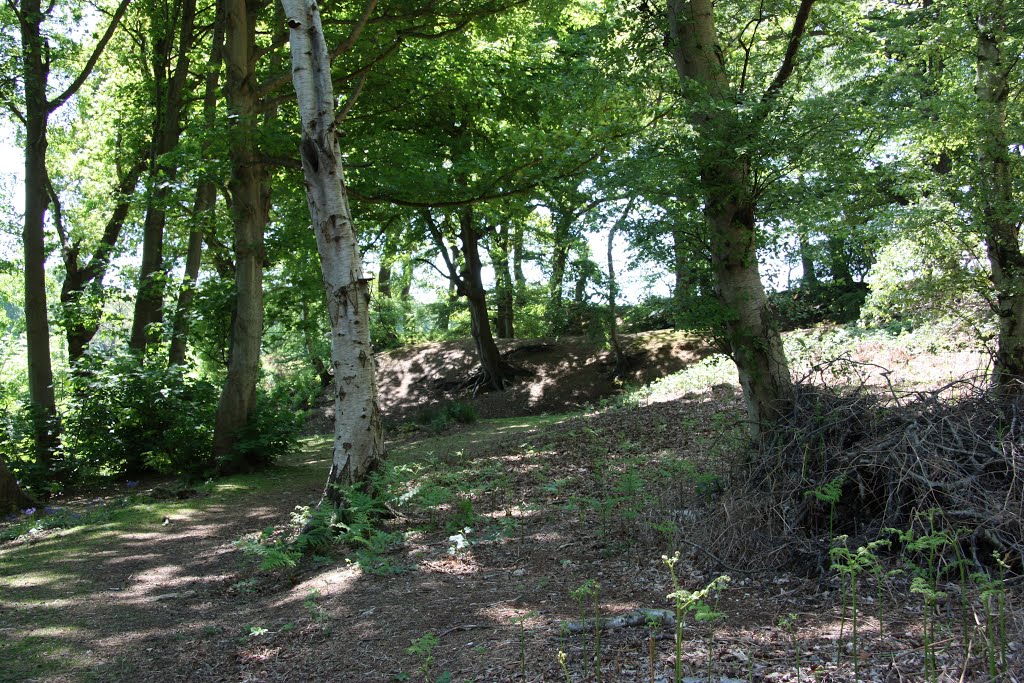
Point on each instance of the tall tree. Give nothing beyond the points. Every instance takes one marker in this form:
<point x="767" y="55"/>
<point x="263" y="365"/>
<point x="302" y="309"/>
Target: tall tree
<point x="250" y="207"/>
<point x="204" y="205"/>
<point x="358" y="428"/>
<point x="997" y="55"/>
<point x="172" y="27"/>
<point x="613" y="292"/>
<point x="466" y="275"/>
<point x="728" y="144"/>
<point x="39" y="105"/>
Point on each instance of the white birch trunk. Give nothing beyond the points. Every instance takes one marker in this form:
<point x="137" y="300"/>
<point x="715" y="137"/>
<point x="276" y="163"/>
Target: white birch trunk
<point x="358" y="430"/>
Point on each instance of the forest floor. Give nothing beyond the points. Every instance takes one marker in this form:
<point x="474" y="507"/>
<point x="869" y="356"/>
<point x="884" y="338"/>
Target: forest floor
<point x="502" y="532"/>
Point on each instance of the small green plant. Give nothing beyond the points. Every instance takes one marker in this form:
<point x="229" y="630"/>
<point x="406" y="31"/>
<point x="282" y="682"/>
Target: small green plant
<point x="521" y="620"/>
<point x="850" y="565"/>
<point x="709" y="614"/>
<point x="931" y="597"/>
<point x="316" y="612"/>
<point x="992" y="595"/>
<point x="582" y="596"/>
<point x="257" y="631"/>
<point x="691" y="601"/>
<point x="562" y="663"/>
<point x="788" y="622"/>
<point x="439" y="418"/>
<point x="653" y="625"/>
<point x="423" y="649"/>
<point x="830" y="492"/>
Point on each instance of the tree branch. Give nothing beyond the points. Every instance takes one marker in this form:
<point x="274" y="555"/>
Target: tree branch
<point x="435" y="234"/>
<point x="352" y="98"/>
<point x="356" y="31"/>
<point x="58" y="216"/>
<point x="97" y="266"/>
<point x="789" y="61"/>
<point x="56" y="103"/>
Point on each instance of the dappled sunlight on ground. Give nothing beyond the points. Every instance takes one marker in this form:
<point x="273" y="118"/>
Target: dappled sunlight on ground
<point x="551" y="503"/>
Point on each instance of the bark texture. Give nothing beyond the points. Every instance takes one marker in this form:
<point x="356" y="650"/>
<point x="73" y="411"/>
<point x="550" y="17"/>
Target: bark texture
<point x="1000" y="215"/>
<point x="358" y="430"/>
<point x="495" y="374"/>
<point x="504" y="292"/>
<point x="37" y="325"/>
<point x="250" y="193"/>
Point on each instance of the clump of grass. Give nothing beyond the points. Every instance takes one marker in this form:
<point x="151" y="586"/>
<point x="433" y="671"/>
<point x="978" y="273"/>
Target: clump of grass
<point x="440" y="418"/>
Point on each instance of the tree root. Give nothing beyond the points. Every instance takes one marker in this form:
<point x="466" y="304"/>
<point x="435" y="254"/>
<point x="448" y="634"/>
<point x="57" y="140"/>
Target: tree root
<point x="484" y="380"/>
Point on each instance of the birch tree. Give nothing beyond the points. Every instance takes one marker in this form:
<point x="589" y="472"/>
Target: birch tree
<point x="358" y="429"/>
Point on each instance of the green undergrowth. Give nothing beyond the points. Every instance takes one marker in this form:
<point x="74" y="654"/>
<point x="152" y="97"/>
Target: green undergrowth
<point x="134" y="508"/>
<point x="438" y="482"/>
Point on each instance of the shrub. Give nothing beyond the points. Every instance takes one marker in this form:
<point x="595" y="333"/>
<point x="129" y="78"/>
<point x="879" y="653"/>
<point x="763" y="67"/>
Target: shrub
<point x="825" y="302"/>
<point x="925" y="278"/>
<point x="272" y="431"/>
<point x="127" y="416"/>
<point x="18" y="451"/>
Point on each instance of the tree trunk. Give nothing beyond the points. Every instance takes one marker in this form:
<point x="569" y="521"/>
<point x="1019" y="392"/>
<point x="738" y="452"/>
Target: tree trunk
<point x="503" y="291"/>
<point x="35" y="74"/>
<point x="494" y="373"/>
<point x="683" y="287"/>
<point x="169" y="101"/>
<point x="810" y="277"/>
<point x="518" y="255"/>
<point x="384" y="280"/>
<point x="559" y="259"/>
<point x="358" y="428"/>
<point x="12" y="498"/>
<point x="444" y="313"/>
<point x="203" y="209"/>
<point x="308" y="326"/>
<point x="839" y="265"/>
<point x="751" y="328"/>
<point x="250" y="192"/>
<point x="999" y="212"/>
<point x="613" y="292"/>
<point x="408" y="273"/>
<point x="37" y="324"/>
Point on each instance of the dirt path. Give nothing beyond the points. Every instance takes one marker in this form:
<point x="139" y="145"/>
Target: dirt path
<point x="119" y="600"/>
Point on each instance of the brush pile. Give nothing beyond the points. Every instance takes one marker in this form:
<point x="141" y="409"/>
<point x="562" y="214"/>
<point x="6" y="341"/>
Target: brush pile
<point x="867" y="457"/>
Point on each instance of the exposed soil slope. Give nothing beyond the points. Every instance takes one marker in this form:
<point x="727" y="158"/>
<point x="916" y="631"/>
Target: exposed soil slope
<point x="566" y="373"/>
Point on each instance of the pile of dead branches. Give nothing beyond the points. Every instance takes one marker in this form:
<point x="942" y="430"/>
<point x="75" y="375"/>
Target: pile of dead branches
<point x="858" y="458"/>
